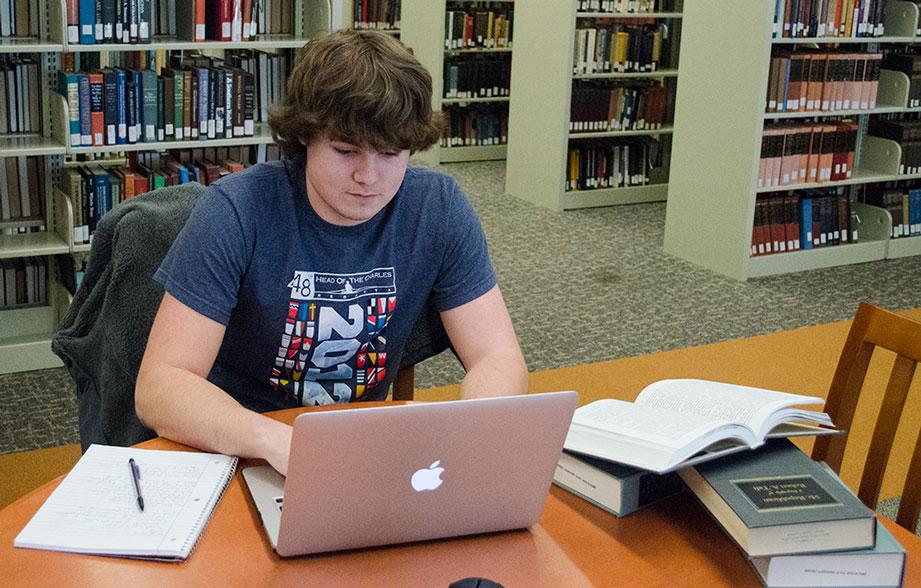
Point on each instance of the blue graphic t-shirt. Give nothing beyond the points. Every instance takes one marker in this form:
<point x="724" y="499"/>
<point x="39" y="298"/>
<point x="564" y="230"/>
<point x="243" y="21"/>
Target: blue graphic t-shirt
<point x="317" y="313"/>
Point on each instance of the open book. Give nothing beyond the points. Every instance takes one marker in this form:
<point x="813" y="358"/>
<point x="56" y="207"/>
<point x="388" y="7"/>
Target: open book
<point x="95" y="509"/>
<point x="676" y="423"/>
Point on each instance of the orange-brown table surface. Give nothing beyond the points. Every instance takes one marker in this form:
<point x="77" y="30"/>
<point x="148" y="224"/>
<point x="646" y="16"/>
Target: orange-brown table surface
<point x="672" y="543"/>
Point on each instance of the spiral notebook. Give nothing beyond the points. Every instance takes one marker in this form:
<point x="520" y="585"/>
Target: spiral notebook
<point x="95" y="509"/>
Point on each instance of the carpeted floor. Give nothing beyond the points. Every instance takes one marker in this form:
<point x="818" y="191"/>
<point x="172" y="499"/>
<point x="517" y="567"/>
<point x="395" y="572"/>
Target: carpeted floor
<point x="581" y="286"/>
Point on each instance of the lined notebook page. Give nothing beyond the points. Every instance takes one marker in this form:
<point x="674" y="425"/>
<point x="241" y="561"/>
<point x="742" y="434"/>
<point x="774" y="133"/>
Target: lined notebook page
<point x="95" y="509"/>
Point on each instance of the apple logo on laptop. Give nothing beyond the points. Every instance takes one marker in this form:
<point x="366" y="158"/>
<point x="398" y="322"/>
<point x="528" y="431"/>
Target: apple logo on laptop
<point x="427" y="478"/>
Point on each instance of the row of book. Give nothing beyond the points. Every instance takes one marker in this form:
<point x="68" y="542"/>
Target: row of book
<point x="910" y="65"/>
<point x="471" y="26"/>
<point x="806" y="154"/>
<point x="91" y="22"/>
<point x="829" y="18"/>
<point x="624" y="6"/>
<point x="155" y="59"/>
<point x="475" y="126"/>
<point x="610" y="163"/>
<point x="635" y="107"/>
<point x="196" y="98"/>
<point x="618" y="48"/>
<point x="477" y="76"/>
<point x="23" y="281"/>
<point x="95" y="187"/>
<point x="22" y="188"/>
<point x="905" y="132"/>
<point x="20" y="95"/>
<point x="807" y="81"/>
<point x="803" y="219"/>
<point x="18" y="18"/>
<point x="376" y="14"/>
<point x="903" y="205"/>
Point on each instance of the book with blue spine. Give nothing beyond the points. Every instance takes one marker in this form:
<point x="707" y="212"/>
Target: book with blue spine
<point x="805" y="223"/>
<point x="130" y="111"/>
<point x="110" y="87"/>
<point x="102" y="192"/>
<point x="87" y="22"/>
<point x="69" y="87"/>
<point x="121" y="121"/>
<point x="86" y="125"/>
<point x="138" y="104"/>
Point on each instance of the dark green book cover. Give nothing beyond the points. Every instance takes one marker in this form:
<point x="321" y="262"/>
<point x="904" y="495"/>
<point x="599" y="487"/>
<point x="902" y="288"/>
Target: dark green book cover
<point x="776" y="499"/>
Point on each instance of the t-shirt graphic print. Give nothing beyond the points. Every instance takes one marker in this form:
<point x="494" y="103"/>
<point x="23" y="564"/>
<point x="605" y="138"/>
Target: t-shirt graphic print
<point x="333" y="347"/>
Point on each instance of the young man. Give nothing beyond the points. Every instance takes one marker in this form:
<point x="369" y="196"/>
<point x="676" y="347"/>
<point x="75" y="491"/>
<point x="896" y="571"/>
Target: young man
<point x="298" y="282"/>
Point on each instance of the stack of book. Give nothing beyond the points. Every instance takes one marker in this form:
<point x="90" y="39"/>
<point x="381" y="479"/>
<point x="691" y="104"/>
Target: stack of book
<point x="795" y="521"/>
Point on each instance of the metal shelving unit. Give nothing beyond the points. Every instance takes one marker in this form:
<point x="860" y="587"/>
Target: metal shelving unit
<point x="717" y="147"/>
<point x="542" y="70"/>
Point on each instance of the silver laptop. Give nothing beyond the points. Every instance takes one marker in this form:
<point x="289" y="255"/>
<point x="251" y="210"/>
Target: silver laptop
<point x="394" y="474"/>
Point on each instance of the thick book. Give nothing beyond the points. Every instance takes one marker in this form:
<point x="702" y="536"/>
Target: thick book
<point x="676" y="423"/>
<point x="95" y="508"/>
<point x="616" y="488"/>
<point x="776" y="500"/>
<point x="881" y="566"/>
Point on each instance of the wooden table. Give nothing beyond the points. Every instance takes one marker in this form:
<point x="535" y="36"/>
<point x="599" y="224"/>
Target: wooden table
<point x="672" y="543"/>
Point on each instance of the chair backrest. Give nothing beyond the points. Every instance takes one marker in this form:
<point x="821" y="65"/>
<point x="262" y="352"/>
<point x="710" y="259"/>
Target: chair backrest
<point x="427" y="339"/>
<point x="875" y="327"/>
<point x="102" y="337"/>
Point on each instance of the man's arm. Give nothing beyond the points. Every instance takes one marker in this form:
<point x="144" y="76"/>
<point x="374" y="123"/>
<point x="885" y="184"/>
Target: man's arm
<point x="174" y="398"/>
<point x="481" y="332"/>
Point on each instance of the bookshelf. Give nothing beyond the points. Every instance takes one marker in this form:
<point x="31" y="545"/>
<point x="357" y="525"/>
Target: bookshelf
<point x="539" y="133"/>
<point x="423" y="30"/>
<point x="719" y="118"/>
<point x="26" y="330"/>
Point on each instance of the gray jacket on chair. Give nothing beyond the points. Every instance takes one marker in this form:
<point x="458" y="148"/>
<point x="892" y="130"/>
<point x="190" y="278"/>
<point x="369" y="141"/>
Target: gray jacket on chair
<point x="103" y="335"/>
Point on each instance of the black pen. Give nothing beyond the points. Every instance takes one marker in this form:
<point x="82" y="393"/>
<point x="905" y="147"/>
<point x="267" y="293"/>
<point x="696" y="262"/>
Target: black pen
<point x="136" y="476"/>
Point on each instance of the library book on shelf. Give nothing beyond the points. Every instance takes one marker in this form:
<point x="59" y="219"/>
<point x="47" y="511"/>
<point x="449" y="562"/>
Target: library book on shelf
<point x="775" y="500"/>
<point x="95" y="509"/>
<point x="616" y="488"/>
<point x="881" y="566"/>
<point x="677" y="423"/>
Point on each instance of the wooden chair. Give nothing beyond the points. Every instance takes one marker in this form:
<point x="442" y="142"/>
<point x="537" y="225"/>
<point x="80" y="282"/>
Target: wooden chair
<point x="875" y="327"/>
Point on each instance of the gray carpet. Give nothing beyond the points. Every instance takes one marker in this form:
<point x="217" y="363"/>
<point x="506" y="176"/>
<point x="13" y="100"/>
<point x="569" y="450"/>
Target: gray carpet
<point x="581" y="286"/>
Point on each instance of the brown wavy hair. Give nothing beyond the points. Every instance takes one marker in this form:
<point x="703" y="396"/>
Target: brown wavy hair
<point x="362" y="87"/>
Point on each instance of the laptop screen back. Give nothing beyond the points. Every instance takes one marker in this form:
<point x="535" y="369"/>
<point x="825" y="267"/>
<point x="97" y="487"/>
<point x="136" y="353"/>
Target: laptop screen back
<point x="392" y="474"/>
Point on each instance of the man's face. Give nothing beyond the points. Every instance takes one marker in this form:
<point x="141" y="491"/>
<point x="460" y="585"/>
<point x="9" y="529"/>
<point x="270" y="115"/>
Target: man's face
<point x="348" y="184"/>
